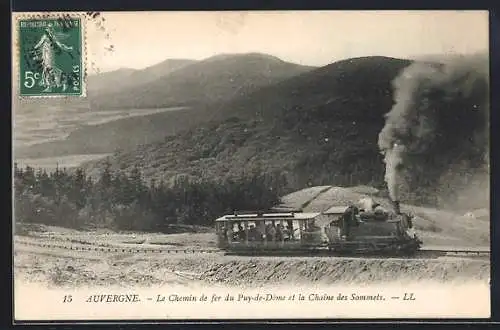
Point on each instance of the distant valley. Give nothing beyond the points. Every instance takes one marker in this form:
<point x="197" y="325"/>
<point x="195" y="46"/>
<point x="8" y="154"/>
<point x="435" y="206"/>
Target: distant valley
<point x="124" y="131"/>
<point x="102" y="123"/>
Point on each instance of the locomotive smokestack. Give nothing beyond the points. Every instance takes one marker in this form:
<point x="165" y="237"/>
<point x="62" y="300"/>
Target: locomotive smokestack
<point x="395" y="206"/>
<point x="393" y="159"/>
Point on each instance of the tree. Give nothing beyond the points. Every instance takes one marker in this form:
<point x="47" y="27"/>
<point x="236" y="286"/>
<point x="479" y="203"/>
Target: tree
<point x="138" y="187"/>
<point x="78" y="190"/>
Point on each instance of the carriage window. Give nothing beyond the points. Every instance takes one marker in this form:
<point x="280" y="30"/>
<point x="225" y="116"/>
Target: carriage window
<point x="240" y="233"/>
<point x="259" y="231"/>
<point x="229" y="231"/>
<point x="253" y="232"/>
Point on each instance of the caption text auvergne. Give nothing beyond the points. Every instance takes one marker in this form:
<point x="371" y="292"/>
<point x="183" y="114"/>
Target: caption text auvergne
<point x="211" y="298"/>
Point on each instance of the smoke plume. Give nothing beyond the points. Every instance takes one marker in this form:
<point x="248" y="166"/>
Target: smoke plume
<point x="439" y="118"/>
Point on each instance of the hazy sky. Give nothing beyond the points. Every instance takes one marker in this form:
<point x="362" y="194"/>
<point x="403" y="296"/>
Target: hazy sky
<point x="141" y="39"/>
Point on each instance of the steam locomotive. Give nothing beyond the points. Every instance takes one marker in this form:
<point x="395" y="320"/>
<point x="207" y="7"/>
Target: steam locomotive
<point x="342" y="230"/>
<point x="376" y="230"/>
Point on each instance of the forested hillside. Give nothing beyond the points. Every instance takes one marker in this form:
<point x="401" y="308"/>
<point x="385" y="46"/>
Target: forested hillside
<point x="322" y="128"/>
<point x="317" y="128"/>
<point x="122" y="201"/>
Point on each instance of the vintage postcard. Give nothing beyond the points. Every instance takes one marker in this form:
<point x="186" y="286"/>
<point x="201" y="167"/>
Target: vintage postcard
<point x="250" y="165"/>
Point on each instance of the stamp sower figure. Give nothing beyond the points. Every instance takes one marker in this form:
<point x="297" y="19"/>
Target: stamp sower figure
<point x="52" y="76"/>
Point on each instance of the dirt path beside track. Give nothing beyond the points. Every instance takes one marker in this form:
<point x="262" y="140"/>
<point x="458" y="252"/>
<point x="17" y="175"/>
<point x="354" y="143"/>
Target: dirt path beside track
<point x="63" y="268"/>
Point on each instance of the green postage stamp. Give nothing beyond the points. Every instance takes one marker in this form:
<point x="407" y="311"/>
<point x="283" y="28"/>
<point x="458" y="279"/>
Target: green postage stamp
<point x="51" y="56"/>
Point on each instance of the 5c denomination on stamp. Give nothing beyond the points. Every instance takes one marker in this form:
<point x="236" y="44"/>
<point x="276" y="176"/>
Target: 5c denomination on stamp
<point x="51" y="55"/>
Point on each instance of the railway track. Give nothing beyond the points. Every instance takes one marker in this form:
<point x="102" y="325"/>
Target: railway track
<point x="459" y="252"/>
<point x="148" y="249"/>
<point x="100" y="247"/>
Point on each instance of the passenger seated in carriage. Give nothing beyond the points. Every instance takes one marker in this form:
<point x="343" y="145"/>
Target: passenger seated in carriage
<point x="287" y="234"/>
<point x="270" y="232"/>
<point x="279" y="233"/>
<point x="253" y="233"/>
<point x="241" y="233"/>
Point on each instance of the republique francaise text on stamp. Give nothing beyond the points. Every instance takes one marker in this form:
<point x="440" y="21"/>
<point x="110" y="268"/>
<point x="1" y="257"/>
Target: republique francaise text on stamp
<point x="51" y="56"/>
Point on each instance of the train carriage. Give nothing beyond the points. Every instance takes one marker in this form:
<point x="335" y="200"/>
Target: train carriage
<point x="270" y="231"/>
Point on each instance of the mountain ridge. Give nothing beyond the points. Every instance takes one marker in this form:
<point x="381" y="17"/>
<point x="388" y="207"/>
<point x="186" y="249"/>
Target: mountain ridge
<point x="114" y="81"/>
<point x="205" y="81"/>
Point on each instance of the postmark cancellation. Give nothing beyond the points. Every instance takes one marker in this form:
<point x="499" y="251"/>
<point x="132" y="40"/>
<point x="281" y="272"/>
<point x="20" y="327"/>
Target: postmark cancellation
<point x="51" y="55"/>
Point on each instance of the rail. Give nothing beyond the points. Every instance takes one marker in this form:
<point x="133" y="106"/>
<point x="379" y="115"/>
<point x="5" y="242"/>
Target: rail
<point x="458" y="252"/>
<point x="91" y="246"/>
<point x="110" y="248"/>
